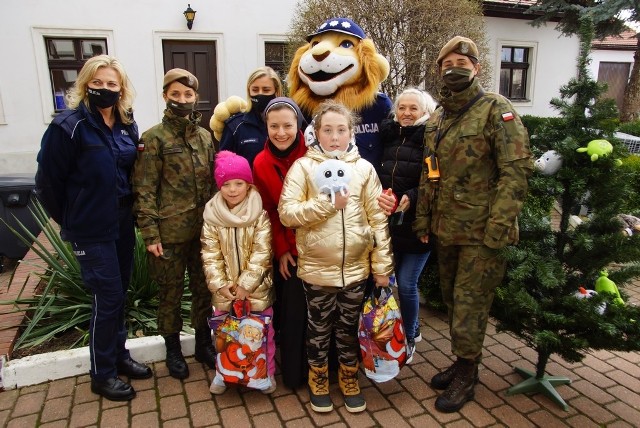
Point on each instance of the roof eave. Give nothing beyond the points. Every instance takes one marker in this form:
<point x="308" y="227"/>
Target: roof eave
<point x="513" y="11"/>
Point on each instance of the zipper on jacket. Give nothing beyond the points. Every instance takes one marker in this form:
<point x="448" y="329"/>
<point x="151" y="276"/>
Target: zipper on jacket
<point x="395" y="165"/>
<point x="344" y="246"/>
<point x="235" y="239"/>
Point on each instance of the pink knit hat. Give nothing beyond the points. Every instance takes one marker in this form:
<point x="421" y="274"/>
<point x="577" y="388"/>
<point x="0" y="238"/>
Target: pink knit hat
<point x="230" y="166"/>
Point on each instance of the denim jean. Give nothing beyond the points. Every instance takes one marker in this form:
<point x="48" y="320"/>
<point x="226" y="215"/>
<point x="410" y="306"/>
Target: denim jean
<point x="408" y="269"/>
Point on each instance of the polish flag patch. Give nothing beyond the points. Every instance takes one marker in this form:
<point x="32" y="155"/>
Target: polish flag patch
<point x="507" y="116"/>
<point x="141" y="147"/>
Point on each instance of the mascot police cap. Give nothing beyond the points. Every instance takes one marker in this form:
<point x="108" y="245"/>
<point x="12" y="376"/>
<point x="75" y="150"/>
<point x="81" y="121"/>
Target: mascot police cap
<point x="339" y="25"/>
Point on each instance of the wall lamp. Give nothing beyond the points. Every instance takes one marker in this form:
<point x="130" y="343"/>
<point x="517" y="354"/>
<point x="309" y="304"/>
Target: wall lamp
<point x="190" y="14"/>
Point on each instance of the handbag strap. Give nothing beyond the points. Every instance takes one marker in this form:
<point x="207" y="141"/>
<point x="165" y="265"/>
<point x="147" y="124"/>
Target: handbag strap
<point x="241" y="308"/>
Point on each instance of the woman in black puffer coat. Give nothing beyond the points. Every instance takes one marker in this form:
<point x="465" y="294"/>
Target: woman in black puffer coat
<point x="400" y="171"/>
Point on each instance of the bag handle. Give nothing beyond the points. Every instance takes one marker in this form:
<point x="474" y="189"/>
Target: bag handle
<point x="379" y="295"/>
<point x="241" y="308"/>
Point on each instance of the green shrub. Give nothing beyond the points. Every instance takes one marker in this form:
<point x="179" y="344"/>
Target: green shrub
<point x="631" y="168"/>
<point x="62" y="304"/>
<point x="631" y="128"/>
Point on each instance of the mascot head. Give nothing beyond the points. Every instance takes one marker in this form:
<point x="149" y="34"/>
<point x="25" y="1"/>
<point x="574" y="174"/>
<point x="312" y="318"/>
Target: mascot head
<point x="338" y="63"/>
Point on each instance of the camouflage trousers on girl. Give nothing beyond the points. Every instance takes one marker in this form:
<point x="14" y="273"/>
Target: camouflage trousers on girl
<point x="333" y="309"/>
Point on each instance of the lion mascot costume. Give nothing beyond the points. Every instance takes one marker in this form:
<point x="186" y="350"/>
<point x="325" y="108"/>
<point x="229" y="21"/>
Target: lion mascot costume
<point x="338" y="62"/>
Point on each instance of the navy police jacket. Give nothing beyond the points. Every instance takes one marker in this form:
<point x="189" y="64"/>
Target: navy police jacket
<point x="368" y="130"/>
<point x="76" y="178"/>
<point x="244" y="134"/>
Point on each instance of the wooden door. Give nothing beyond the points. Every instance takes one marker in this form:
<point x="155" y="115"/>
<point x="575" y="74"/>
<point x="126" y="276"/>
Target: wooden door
<point x="616" y="76"/>
<point x="198" y="57"/>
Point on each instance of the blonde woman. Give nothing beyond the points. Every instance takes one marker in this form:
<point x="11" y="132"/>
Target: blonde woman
<point x="85" y="162"/>
<point x="246" y="133"/>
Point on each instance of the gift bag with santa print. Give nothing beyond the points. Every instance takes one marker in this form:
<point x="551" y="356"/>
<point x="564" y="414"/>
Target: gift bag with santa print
<point x="241" y="344"/>
<point x="381" y="335"/>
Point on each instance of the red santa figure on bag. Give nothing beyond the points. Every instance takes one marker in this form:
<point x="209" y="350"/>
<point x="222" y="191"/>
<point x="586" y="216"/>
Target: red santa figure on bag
<point x="384" y="352"/>
<point x="244" y="362"/>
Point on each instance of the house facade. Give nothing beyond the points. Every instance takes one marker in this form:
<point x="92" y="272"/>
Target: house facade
<point x="44" y="44"/>
<point x="611" y="63"/>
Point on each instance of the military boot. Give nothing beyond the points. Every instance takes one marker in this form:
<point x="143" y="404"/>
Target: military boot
<point x="319" y="388"/>
<point x="461" y="388"/>
<point x="204" y="348"/>
<point x="348" y="380"/>
<point x="443" y="379"/>
<point x="175" y="360"/>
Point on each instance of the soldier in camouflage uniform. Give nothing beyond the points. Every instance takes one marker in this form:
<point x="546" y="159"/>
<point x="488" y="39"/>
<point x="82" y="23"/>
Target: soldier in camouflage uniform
<point x="473" y="185"/>
<point x="172" y="180"/>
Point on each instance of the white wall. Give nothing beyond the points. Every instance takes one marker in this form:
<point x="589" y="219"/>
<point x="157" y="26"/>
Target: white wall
<point x="134" y="29"/>
<point x="554" y="60"/>
<point x="605" y="55"/>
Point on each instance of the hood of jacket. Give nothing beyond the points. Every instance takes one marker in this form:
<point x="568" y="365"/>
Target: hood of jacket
<point x="315" y="152"/>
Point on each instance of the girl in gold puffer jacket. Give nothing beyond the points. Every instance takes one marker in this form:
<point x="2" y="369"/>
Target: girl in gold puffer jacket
<point x="236" y="248"/>
<point x="341" y="238"/>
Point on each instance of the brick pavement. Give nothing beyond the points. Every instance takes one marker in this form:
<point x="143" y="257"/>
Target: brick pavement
<point x="605" y="392"/>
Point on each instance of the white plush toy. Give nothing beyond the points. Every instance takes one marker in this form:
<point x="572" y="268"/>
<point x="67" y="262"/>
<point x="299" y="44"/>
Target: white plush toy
<point x="549" y="163"/>
<point x="333" y="176"/>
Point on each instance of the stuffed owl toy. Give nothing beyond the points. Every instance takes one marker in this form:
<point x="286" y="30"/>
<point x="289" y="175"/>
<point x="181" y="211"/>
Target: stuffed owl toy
<point x="332" y="176"/>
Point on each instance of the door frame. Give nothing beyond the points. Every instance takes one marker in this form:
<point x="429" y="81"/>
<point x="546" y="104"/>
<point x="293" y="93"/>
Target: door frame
<point x="159" y="36"/>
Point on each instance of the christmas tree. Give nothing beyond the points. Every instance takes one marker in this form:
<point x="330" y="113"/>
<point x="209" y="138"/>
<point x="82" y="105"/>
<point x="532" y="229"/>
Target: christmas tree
<point x="537" y="300"/>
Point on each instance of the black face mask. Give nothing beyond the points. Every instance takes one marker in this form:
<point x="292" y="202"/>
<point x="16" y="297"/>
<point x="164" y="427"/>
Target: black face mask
<point x="102" y="98"/>
<point x="180" y="109"/>
<point x="457" y="79"/>
<point x="259" y="102"/>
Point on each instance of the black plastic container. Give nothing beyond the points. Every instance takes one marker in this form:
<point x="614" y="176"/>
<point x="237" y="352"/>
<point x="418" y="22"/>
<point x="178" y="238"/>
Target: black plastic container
<point x="16" y="197"/>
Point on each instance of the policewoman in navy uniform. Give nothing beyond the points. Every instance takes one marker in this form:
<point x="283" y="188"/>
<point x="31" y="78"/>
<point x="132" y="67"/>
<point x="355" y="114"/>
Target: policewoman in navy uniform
<point x="85" y="162"/>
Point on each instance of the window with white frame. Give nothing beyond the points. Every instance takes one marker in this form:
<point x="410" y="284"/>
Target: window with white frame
<point x="65" y="58"/>
<point x="274" y="57"/>
<point x="515" y="66"/>
<point x="60" y="53"/>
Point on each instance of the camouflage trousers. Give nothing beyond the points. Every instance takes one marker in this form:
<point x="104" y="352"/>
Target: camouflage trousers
<point x="168" y="271"/>
<point x="469" y="275"/>
<point x="333" y="309"/>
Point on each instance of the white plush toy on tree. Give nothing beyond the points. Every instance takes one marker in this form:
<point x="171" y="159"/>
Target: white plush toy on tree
<point x="549" y="163"/>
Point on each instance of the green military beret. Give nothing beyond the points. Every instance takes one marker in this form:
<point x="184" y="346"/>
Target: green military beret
<point x="182" y="76"/>
<point x="460" y="45"/>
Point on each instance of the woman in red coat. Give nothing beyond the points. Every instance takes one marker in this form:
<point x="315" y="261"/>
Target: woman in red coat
<point x="285" y="144"/>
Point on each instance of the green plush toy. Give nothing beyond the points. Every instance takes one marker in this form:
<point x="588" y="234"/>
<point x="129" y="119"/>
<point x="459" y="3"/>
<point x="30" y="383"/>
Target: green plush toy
<point x="597" y="149"/>
<point x="605" y="285"/>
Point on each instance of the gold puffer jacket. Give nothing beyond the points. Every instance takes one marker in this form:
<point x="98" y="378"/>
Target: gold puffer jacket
<point x="336" y="248"/>
<point x="236" y="249"/>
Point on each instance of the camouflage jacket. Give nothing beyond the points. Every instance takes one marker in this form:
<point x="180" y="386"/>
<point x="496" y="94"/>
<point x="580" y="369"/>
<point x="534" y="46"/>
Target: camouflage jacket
<point x="172" y="179"/>
<point x="484" y="162"/>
